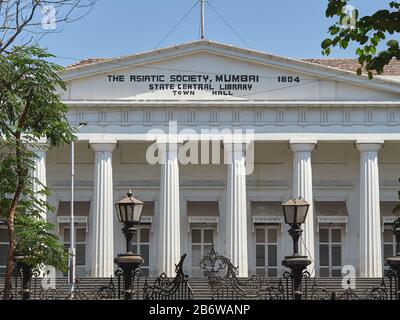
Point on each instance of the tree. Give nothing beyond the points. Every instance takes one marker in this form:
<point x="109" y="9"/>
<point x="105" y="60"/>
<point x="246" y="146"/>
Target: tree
<point x="30" y="110"/>
<point x="368" y="32"/>
<point x="33" y="18"/>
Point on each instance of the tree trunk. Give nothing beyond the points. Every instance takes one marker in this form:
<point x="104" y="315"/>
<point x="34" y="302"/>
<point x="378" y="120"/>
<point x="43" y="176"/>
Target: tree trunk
<point x="11" y="244"/>
<point x="10" y="259"/>
<point x="11" y="221"/>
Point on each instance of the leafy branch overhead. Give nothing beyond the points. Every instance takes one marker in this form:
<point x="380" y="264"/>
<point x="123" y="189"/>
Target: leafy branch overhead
<point x="37" y="242"/>
<point x="27" y="83"/>
<point x="368" y="32"/>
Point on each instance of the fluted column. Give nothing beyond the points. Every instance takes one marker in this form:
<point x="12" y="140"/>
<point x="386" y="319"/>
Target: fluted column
<point x="101" y="222"/>
<point x="236" y="207"/>
<point x="169" y="219"/>
<point x="302" y="187"/>
<point x="39" y="173"/>
<point x="370" y="224"/>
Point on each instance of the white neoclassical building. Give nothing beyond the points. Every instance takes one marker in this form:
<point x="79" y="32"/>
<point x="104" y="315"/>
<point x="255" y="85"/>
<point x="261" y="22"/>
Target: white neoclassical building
<point x="314" y="131"/>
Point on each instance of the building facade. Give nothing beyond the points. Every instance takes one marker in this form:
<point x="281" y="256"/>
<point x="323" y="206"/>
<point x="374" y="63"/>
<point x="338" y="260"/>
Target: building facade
<point x="276" y="128"/>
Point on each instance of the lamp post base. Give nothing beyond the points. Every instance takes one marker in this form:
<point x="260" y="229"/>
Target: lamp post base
<point x="128" y="262"/>
<point x="297" y="264"/>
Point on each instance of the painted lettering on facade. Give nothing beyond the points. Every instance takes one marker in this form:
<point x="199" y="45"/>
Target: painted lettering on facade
<point x="191" y="84"/>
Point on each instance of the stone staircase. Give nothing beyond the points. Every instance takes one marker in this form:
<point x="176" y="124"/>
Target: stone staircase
<point x="201" y="289"/>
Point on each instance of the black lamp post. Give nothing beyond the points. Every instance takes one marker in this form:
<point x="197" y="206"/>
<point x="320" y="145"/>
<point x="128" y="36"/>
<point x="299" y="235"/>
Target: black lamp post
<point x="394" y="262"/>
<point x="129" y="211"/>
<point x="295" y="213"/>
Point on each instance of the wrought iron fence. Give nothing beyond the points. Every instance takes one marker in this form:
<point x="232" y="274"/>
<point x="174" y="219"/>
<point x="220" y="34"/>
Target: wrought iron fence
<point x="166" y="289"/>
<point x="221" y="277"/>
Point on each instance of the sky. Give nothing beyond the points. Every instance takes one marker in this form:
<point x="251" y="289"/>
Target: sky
<point x="289" y="28"/>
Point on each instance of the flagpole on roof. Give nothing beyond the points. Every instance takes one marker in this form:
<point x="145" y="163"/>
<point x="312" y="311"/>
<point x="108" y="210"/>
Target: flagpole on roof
<point x="202" y="33"/>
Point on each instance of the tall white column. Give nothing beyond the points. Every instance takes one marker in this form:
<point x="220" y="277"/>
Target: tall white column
<point x="39" y="172"/>
<point x="101" y="222"/>
<point x="370" y="224"/>
<point x="169" y="218"/>
<point x="236" y="207"/>
<point x="302" y="187"/>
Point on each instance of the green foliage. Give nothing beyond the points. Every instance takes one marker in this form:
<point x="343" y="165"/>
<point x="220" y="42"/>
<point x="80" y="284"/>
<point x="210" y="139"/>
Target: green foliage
<point x="39" y="245"/>
<point x="27" y="79"/>
<point x="30" y="110"/>
<point x="368" y="32"/>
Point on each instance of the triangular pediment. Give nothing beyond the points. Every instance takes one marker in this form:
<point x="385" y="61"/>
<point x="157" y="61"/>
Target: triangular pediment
<point x="205" y="70"/>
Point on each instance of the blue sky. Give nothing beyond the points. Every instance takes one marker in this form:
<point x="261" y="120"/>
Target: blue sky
<point x="289" y="28"/>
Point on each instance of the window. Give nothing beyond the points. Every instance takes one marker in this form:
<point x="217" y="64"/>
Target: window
<point x="202" y="242"/>
<point x="389" y="245"/>
<point x="267" y="251"/>
<point x="3" y="248"/>
<point x="330" y="252"/>
<point x="80" y="244"/>
<point x="141" y="245"/>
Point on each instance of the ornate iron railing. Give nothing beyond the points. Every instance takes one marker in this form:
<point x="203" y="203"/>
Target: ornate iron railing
<point x="221" y="279"/>
<point x="164" y="288"/>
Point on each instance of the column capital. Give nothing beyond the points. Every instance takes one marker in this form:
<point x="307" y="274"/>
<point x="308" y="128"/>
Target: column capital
<point x="107" y="145"/>
<point x="369" y="145"/>
<point x="302" y="145"/>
